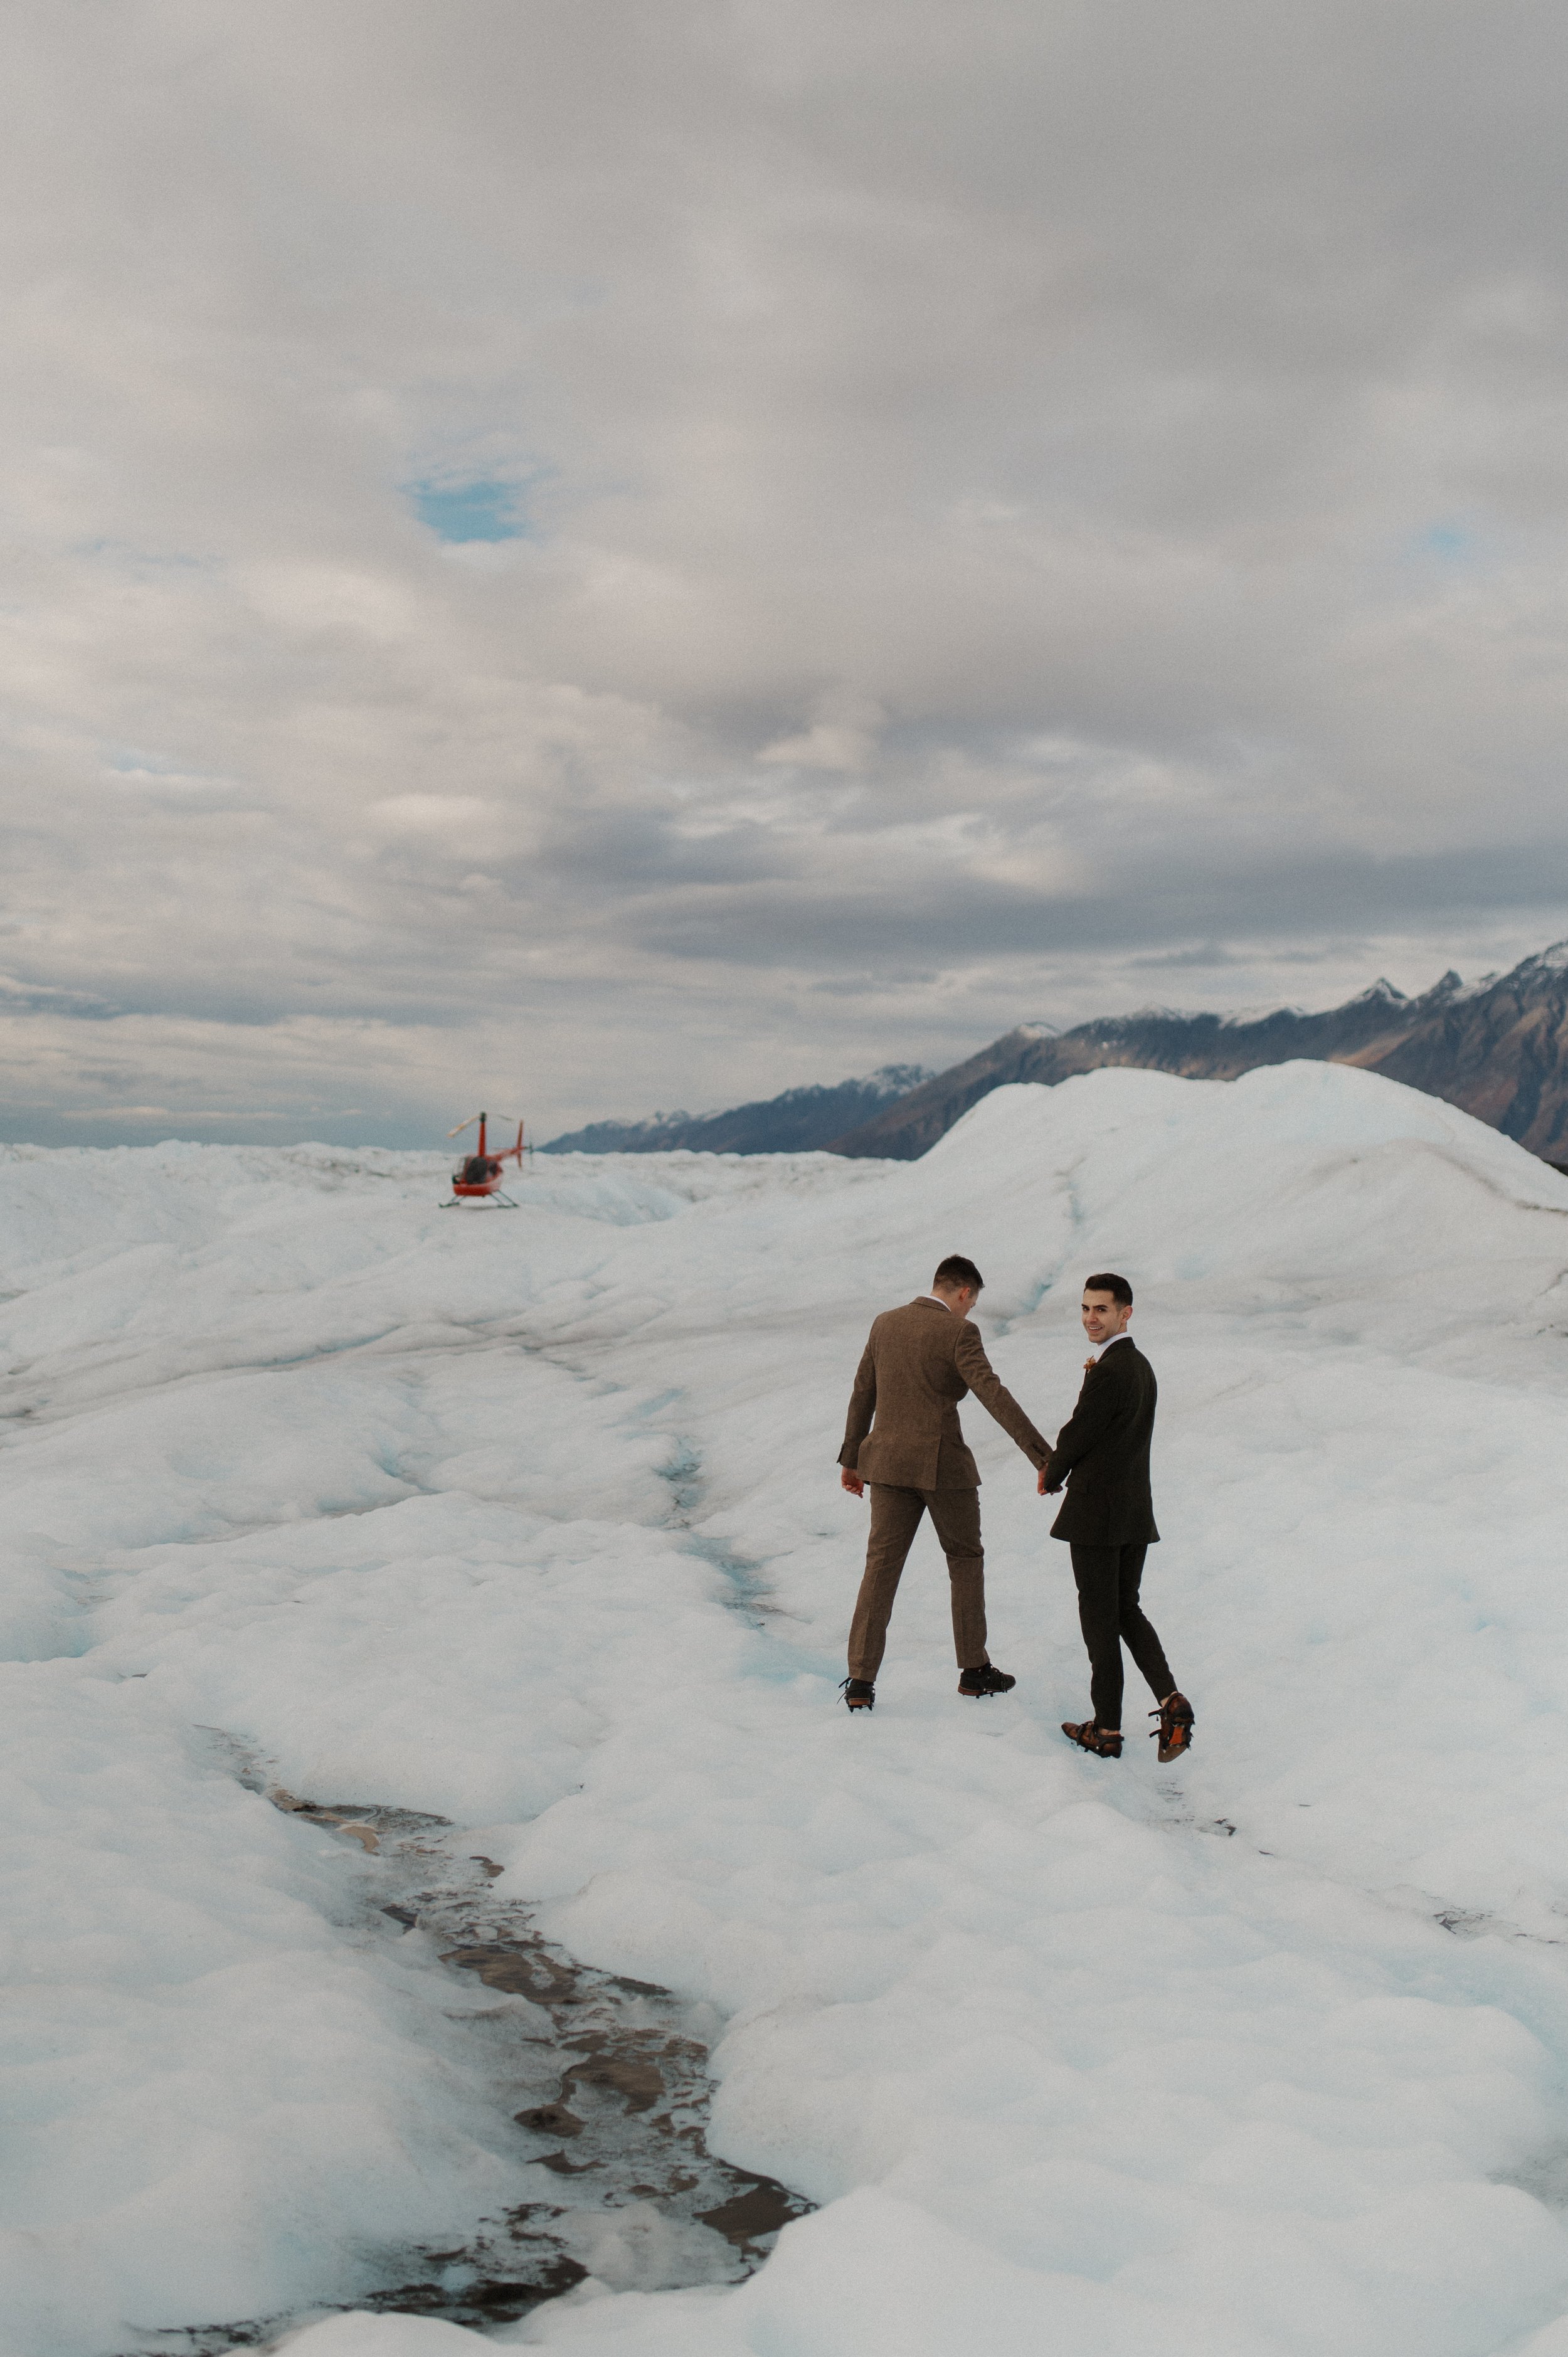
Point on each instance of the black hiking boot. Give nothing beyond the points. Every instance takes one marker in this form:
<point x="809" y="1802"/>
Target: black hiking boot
<point x="1175" y="1730"/>
<point x="984" y="1681"/>
<point x="859" y="1694"/>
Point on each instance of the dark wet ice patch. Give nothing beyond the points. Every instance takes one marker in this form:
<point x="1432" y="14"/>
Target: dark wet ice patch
<point x="606" y="2084"/>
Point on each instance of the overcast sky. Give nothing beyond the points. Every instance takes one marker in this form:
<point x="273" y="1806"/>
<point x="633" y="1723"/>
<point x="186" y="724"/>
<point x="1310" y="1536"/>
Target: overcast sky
<point x="598" y="558"/>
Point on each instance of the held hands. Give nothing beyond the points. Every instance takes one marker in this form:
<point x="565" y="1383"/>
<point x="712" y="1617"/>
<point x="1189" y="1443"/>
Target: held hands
<point x="852" y="1482"/>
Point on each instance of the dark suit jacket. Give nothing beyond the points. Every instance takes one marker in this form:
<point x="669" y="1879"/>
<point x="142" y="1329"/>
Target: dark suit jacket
<point x="918" y="1364"/>
<point x="1103" y="1454"/>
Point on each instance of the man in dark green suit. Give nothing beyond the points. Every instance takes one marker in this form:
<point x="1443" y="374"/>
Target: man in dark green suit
<point x="1102" y="1454"/>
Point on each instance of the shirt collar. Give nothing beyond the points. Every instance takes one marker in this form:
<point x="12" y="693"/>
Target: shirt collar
<point x="1111" y="1345"/>
<point x="938" y="1299"/>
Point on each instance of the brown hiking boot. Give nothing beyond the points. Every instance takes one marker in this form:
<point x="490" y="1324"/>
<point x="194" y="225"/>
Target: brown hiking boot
<point x="1175" y="1730"/>
<point x="1090" y="1737"/>
<point x="859" y="1694"/>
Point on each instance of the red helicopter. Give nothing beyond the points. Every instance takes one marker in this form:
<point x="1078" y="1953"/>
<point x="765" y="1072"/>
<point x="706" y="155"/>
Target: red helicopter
<point x="478" y="1178"/>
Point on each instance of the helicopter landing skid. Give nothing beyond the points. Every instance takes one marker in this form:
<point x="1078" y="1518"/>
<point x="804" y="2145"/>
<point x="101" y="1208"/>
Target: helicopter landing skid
<point x="456" y="1203"/>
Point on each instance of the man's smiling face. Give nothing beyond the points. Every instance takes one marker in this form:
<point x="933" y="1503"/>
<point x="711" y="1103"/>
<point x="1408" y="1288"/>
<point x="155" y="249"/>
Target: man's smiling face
<point x="1104" y="1316"/>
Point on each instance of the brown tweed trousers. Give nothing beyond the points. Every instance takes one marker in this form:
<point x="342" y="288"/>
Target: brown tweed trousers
<point x="904" y="1439"/>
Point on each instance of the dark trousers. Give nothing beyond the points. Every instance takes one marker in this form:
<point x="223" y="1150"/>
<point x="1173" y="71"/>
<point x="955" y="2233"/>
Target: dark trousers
<point x="895" y="1518"/>
<point x="1111" y="1616"/>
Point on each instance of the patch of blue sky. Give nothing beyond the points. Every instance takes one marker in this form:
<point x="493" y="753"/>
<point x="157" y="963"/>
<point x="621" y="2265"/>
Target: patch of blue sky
<point x="485" y="509"/>
<point x="145" y="562"/>
<point x="131" y="762"/>
<point x="174" y="784"/>
<point x="1453" y="543"/>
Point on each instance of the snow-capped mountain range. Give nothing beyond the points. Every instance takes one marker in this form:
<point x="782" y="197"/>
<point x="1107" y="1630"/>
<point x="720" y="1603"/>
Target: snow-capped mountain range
<point x="799" y="1121"/>
<point x="1497" y="1048"/>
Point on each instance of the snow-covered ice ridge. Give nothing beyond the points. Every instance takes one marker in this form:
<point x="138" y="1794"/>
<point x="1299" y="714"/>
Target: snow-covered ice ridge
<point x="470" y="1513"/>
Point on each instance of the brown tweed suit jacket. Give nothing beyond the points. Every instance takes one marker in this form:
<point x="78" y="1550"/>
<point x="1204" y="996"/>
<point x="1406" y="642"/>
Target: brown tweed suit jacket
<point x="918" y="1364"/>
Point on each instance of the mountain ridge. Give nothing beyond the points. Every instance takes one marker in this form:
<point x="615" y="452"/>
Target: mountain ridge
<point x="800" y="1121"/>
<point x="1497" y="1048"/>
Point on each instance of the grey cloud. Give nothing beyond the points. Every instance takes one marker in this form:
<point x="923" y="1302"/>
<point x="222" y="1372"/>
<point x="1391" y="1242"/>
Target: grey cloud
<point x="21" y="997"/>
<point x="1198" y="957"/>
<point x="631" y="850"/>
<point x="1031" y="416"/>
<point x="966" y="919"/>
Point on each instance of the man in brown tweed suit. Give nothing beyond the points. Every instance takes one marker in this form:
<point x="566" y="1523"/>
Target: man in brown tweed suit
<point x="918" y="1364"/>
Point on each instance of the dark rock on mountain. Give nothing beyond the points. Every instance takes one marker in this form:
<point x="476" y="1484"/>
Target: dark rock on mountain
<point x="1501" y="1052"/>
<point x="799" y="1121"/>
<point x="1498" y="1048"/>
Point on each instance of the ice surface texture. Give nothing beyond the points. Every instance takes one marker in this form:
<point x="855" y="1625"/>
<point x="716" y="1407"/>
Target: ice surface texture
<point x="532" y="1522"/>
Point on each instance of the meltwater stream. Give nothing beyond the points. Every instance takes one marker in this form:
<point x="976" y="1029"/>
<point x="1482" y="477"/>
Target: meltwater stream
<point x="607" y="2082"/>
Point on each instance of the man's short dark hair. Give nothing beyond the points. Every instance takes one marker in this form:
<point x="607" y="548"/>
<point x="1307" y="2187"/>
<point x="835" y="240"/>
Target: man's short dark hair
<point x="955" y="1271"/>
<point x="1116" y="1286"/>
